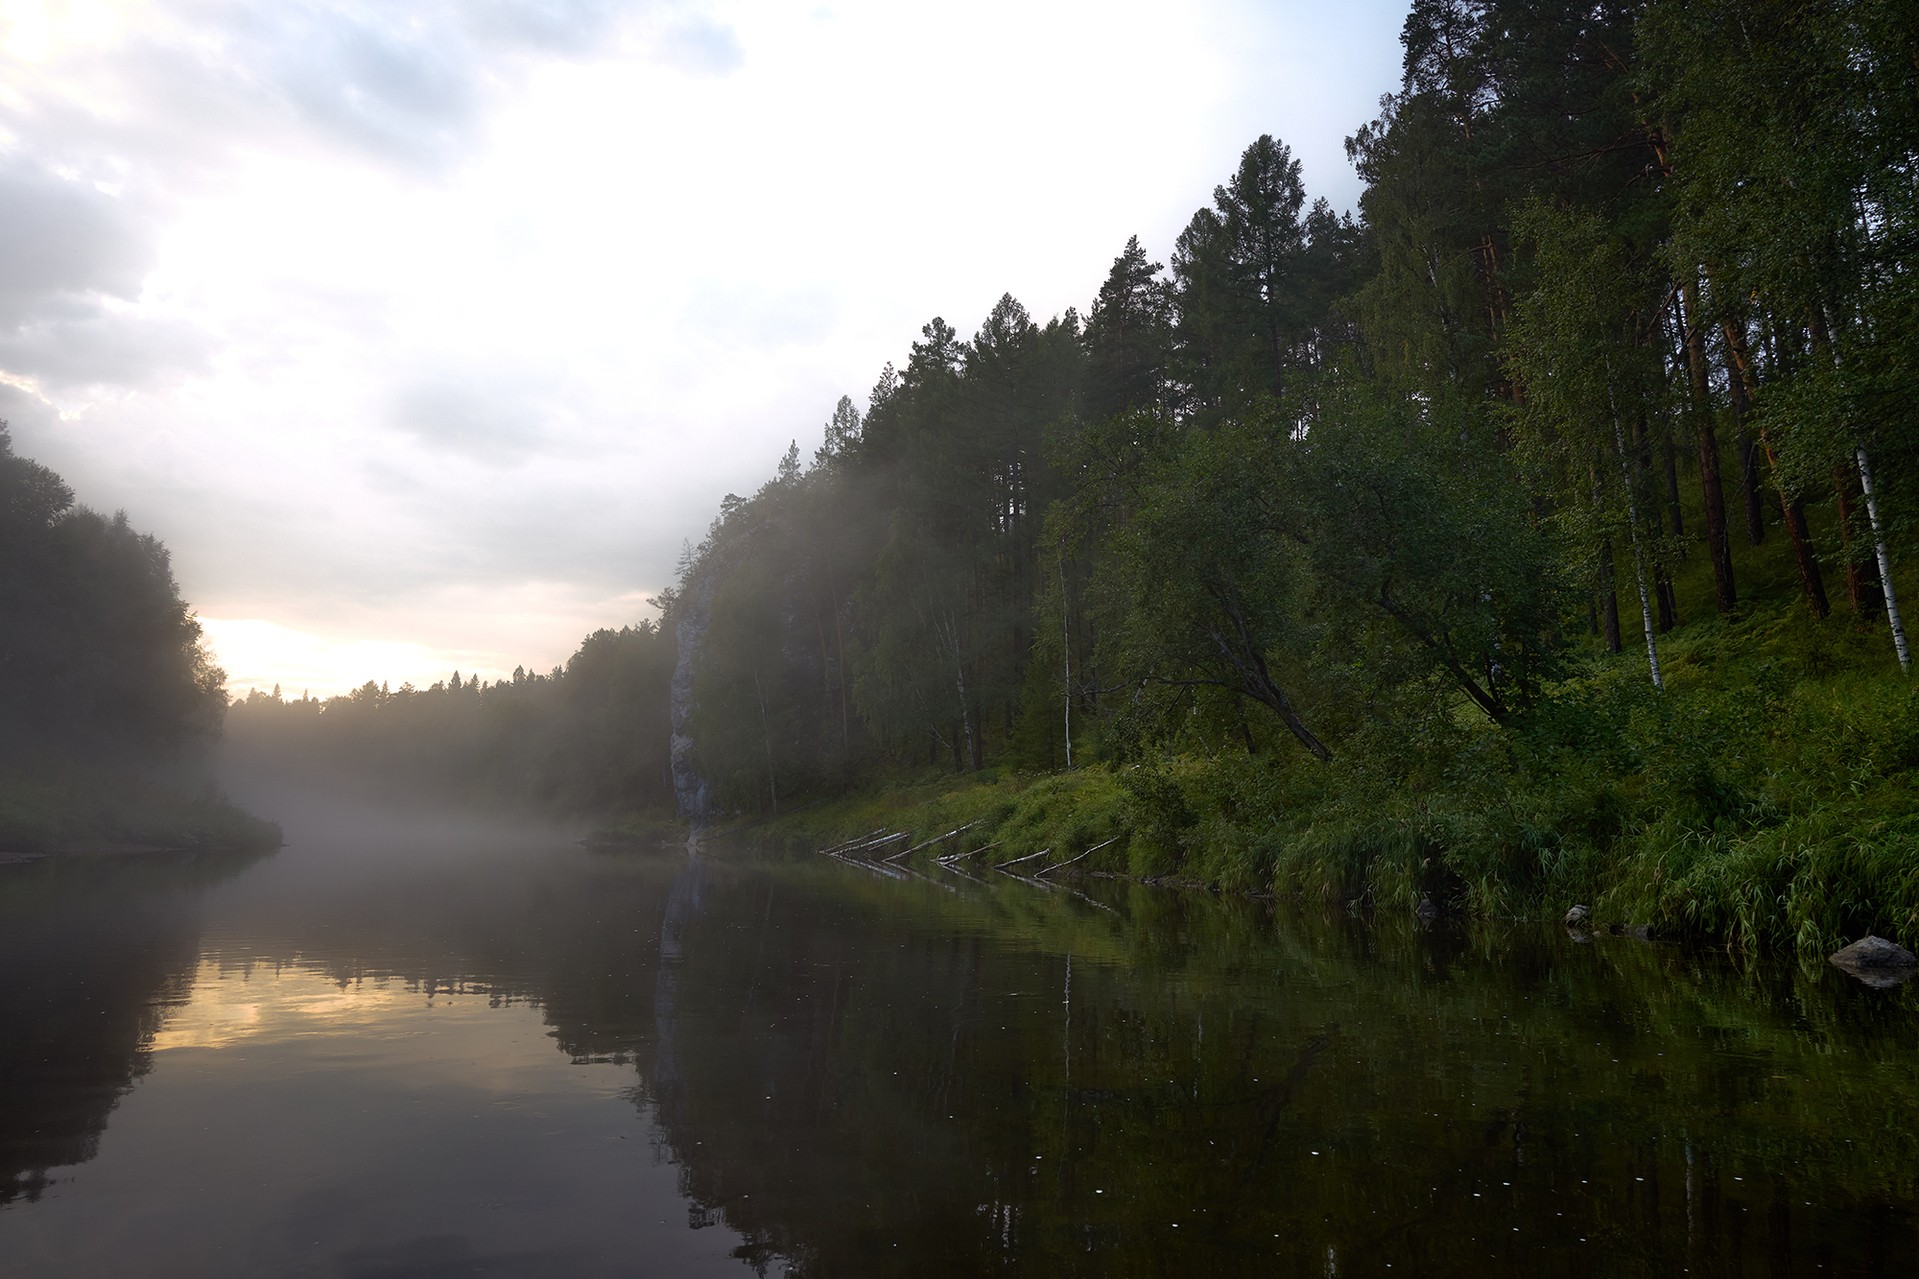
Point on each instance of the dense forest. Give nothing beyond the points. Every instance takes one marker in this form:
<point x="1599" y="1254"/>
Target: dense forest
<point x="108" y="701"/>
<point x="585" y="740"/>
<point x="1532" y="535"/>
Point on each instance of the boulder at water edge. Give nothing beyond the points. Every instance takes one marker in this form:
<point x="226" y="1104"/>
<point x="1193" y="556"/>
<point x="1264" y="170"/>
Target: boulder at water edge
<point x="1875" y="952"/>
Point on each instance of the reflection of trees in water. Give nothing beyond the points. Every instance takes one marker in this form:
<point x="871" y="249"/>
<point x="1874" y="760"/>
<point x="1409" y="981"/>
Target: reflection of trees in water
<point x="94" y="953"/>
<point x="849" y="1070"/>
<point x="858" y="1094"/>
<point x="910" y="1083"/>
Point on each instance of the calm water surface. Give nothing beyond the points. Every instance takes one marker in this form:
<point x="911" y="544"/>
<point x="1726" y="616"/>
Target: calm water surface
<point x="437" y="1049"/>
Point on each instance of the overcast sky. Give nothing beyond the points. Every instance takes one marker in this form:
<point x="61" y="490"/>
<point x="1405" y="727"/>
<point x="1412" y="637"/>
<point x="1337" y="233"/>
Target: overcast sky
<point x="425" y="333"/>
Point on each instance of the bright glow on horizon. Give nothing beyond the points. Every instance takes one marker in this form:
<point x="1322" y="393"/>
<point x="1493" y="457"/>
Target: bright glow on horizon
<point x="425" y="333"/>
<point x="264" y="655"/>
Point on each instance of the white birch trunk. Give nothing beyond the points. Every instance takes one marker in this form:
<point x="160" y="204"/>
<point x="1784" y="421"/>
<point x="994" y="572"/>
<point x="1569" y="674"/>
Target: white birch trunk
<point x="1885" y="564"/>
<point x="1638" y="551"/>
<point x="1066" y="651"/>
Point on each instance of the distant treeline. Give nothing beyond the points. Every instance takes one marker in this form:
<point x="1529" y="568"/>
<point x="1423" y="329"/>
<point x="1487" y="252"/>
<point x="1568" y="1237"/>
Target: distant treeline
<point x="589" y="738"/>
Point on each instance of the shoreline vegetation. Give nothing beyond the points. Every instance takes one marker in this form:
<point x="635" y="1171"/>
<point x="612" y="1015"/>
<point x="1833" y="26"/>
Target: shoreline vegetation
<point x="92" y="813"/>
<point x="1772" y="815"/>
<point x="109" y="701"/>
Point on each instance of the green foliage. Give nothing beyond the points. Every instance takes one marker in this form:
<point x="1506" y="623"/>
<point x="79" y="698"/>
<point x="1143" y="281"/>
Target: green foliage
<point x="105" y="688"/>
<point x="99" y="657"/>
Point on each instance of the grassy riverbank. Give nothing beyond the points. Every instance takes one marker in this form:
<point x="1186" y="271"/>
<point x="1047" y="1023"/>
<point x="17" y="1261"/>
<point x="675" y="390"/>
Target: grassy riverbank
<point x="1769" y="798"/>
<point x="88" y="810"/>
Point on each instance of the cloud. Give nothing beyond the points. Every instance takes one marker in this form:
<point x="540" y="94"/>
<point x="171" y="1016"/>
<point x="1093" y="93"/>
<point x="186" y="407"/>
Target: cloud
<point x="374" y="80"/>
<point x="750" y="316"/>
<point x="62" y="240"/>
<point x="700" y="43"/>
<point x="73" y="261"/>
<point x="409" y="84"/>
<point x="569" y="27"/>
<point x="83" y="350"/>
<point x="486" y="418"/>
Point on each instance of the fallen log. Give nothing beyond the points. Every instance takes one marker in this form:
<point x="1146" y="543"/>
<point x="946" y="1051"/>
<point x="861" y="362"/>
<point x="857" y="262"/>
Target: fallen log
<point x="840" y="848"/>
<point x="1083" y="856"/>
<point x="937" y="839"/>
<point x="971" y="852"/>
<point x="1017" y="860"/>
<point x="872" y="844"/>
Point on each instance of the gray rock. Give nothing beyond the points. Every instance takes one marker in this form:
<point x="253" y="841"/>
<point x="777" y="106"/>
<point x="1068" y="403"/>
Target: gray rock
<point x="1876" y="953"/>
<point x="1577" y="916"/>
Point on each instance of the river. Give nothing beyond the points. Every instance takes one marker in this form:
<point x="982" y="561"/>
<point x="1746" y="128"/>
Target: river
<point x="430" y="1047"/>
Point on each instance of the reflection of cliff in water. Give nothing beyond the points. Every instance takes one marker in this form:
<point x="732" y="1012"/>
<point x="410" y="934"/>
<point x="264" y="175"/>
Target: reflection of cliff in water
<point x="93" y="951"/>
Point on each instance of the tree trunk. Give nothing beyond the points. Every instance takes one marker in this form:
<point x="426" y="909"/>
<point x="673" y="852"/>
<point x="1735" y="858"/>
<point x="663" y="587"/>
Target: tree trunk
<point x="766" y="739"/>
<point x="1718" y="546"/>
<point x="976" y="734"/>
<point x="1862" y="576"/>
<point x="1749" y="486"/>
<point x="1638" y="551"/>
<point x="1810" y="580"/>
<point x="1669" y="458"/>
<point x="1609" y="600"/>
<point x="839" y="662"/>
<point x="1885" y="564"/>
<point x="1255" y="680"/>
<point x="1066" y="653"/>
<point x="1749" y="483"/>
<point x="1642" y="468"/>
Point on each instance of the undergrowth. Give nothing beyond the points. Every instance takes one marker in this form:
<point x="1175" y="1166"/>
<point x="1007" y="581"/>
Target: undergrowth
<point x="52" y="810"/>
<point x="1767" y="798"/>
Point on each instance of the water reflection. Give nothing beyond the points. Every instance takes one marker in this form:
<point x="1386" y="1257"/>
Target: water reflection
<point x="447" y="1050"/>
<point x="95" y="953"/>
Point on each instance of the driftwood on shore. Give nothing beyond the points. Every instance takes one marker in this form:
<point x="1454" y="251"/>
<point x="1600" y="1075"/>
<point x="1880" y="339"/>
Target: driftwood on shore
<point x="1082" y="857"/>
<point x="1018" y="860"/>
<point x="828" y="852"/>
<point x="937" y="839"/>
<point x="866" y="843"/>
<point x="971" y="852"/>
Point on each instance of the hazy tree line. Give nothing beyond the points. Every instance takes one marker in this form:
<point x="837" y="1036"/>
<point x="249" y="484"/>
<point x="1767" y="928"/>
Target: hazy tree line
<point x="586" y="738"/>
<point x="1631" y="287"/>
<point x="100" y="660"/>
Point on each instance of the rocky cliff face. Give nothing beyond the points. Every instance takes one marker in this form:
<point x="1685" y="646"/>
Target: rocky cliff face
<point x="690" y="618"/>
